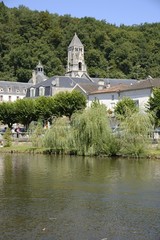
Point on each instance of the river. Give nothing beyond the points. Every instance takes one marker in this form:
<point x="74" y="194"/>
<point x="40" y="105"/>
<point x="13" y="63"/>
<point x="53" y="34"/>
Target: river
<point x="76" y="198"/>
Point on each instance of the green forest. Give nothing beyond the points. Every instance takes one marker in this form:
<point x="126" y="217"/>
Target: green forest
<point x="110" y="51"/>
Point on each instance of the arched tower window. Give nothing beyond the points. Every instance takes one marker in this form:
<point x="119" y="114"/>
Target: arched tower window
<point x="80" y="66"/>
<point x="40" y="69"/>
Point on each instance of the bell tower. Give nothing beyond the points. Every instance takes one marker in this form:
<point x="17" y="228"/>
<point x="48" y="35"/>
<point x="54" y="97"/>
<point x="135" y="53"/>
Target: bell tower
<point x="39" y="68"/>
<point x="76" y="66"/>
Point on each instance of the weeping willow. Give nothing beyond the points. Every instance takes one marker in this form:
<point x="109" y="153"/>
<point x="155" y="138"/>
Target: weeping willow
<point x="135" y="134"/>
<point x="36" y="135"/>
<point x="88" y="133"/>
<point x="59" y="136"/>
<point x="91" y="131"/>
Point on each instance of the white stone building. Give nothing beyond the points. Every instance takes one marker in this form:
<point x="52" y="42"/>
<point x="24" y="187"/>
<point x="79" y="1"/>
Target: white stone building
<point x="140" y="92"/>
<point x="11" y="91"/>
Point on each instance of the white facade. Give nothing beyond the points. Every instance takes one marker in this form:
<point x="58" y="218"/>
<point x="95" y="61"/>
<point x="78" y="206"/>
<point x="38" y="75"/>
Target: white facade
<point x="110" y="99"/>
<point x="12" y="91"/>
<point x="10" y="97"/>
<point x="140" y="96"/>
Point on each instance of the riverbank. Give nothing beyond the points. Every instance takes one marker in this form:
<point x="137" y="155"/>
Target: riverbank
<point x="27" y="148"/>
<point x="21" y="147"/>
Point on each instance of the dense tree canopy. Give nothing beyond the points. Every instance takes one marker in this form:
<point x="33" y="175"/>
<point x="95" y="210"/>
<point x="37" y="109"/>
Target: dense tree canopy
<point x="7" y="113"/>
<point x="26" y="110"/>
<point x="110" y="51"/>
<point x="66" y="103"/>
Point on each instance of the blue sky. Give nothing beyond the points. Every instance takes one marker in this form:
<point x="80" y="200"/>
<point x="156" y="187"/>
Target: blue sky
<point x="117" y="12"/>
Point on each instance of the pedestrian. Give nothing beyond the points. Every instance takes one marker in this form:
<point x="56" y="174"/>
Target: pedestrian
<point x="17" y="132"/>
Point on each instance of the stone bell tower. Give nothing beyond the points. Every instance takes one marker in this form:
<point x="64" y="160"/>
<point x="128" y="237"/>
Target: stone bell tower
<point x="76" y="66"/>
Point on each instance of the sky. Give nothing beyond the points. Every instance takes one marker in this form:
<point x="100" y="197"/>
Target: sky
<point x="127" y="12"/>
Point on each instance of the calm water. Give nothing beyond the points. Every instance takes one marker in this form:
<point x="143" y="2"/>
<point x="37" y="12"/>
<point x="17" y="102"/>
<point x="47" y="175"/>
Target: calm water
<point x="74" y="198"/>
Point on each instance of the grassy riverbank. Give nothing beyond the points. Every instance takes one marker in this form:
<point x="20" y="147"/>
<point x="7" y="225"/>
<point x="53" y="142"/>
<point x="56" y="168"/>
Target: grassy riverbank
<point x="21" y="147"/>
<point x="27" y="148"/>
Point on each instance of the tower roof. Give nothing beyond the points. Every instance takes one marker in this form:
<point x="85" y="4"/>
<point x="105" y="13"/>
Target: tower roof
<point x="39" y="65"/>
<point x="75" y="41"/>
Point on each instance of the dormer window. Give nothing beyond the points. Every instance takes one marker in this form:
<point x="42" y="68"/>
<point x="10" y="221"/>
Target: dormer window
<point x="32" y="92"/>
<point x="41" y="91"/>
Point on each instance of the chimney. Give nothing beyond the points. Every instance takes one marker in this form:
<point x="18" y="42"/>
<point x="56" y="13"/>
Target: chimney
<point x="34" y="77"/>
<point x="57" y="82"/>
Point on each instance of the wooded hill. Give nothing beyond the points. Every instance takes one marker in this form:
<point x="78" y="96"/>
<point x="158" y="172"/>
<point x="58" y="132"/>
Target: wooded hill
<point x="110" y="51"/>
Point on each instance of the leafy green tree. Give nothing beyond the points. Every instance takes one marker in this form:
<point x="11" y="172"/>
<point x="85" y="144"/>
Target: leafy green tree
<point x="135" y="130"/>
<point x="124" y="108"/>
<point x="37" y="135"/>
<point x="7" y="113"/>
<point x="66" y="103"/>
<point x="44" y="107"/>
<point x="154" y="105"/>
<point x="25" y="111"/>
<point x="60" y="136"/>
<point x="92" y="131"/>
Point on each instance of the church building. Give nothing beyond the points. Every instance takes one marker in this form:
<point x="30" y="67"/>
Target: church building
<point x="76" y="72"/>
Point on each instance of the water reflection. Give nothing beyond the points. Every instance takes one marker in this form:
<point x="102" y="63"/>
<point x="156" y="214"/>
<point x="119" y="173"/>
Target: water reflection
<point x="48" y="197"/>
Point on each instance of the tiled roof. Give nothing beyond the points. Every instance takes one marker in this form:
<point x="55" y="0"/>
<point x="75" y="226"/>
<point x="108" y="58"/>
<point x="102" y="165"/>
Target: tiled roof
<point x="39" y="78"/>
<point x="16" y="87"/>
<point x="143" y="84"/>
<point x="114" y="81"/>
<point x="61" y="82"/>
<point x="76" y="42"/>
<point x="88" y="87"/>
<point x="116" y="88"/>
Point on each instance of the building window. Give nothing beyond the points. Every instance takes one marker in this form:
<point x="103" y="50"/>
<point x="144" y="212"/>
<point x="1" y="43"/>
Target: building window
<point x="9" y="98"/>
<point x="1" y="89"/>
<point x="17" y="97"/>
<point x="17" y="91"/>
<point x="41" y="91"/>
<point x="1" y="98"/>
<point x="9" y="89"/>
<point x="80" y="66"/>
<point x="112" y="97"/>
<point x="32" y="92"/>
